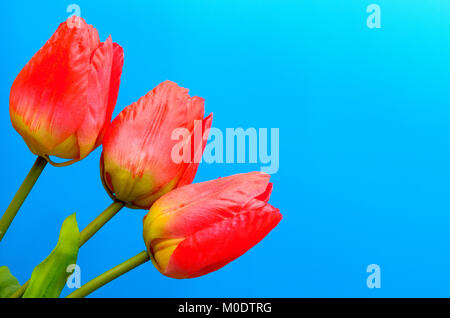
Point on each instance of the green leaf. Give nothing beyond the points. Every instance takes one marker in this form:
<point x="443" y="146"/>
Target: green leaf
<point x="49" y="277"/>
<point x="8" y="283"/>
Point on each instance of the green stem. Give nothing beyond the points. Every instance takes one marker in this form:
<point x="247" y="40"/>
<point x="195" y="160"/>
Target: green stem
<point x="21" y="195"/>
<point x="99" y="221"/>
<point x="19" y="293"/>
<point x="86" y="234"/>
<point x="110" y="275"/>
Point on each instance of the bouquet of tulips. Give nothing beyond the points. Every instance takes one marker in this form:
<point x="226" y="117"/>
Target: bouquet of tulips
<point x="62" y="102"/>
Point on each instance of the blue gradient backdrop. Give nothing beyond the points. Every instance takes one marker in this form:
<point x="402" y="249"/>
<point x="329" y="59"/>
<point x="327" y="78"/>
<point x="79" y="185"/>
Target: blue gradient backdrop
<point x="364" y="140"/>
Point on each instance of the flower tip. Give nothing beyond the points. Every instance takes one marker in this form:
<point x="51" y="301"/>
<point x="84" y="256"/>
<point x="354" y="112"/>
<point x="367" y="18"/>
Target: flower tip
<point x="265" y="196"/>
<point x="109" y="39"/>
<point x="118" y="49"/>
<point x="75" y="21"/>
<point x="208" y="122"/>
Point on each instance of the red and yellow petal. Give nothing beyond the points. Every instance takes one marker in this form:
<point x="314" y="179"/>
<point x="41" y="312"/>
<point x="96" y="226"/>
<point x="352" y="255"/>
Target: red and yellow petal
<point x="48" y="97"/>
<point x="188" y="209"/>
<point x="137" y="146"/>
<point x="199" y="228"/>
<point x="218" y="244"/>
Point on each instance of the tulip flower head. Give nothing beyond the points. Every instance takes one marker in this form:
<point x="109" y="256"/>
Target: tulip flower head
<point x="136" y="164"/>
<point x="63" y="99"/>
<point x="199" y="228"/>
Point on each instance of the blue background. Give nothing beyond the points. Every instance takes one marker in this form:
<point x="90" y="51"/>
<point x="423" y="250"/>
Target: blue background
<point x="364" y="140"/>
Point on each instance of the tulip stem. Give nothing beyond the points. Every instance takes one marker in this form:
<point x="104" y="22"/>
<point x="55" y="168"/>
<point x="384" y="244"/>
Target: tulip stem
<point x="19" y="292"/>
<point x="21" y="195"/>
<point x="110" y="275"/>
<point x="100" y="220"/>
<point x="86" y="234"/>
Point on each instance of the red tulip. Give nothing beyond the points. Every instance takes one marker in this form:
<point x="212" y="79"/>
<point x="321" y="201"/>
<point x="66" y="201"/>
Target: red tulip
<point x="63" y="99"/>
<point x="136" y="164"/>
<point x="199" y="228"/>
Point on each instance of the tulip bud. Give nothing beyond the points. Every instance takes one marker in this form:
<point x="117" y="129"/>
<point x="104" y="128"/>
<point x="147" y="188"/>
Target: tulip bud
<point x="199" y="228"/>
<point x="136" y="164"/>
<point x="63" y="99"/>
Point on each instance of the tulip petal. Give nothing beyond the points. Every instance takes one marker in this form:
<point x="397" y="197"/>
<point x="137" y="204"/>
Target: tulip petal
<point x="220" y="243"/>
<point x="116" y="72"/>
<point x="98" y="94"/>
<point x="266" y="194"/>
<point x="198" y="228"/>
<point x="197" y="151"/>
<point x="138" y="144"/>
<point x="48" y="99"/>
<point x="189" y="209"/>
